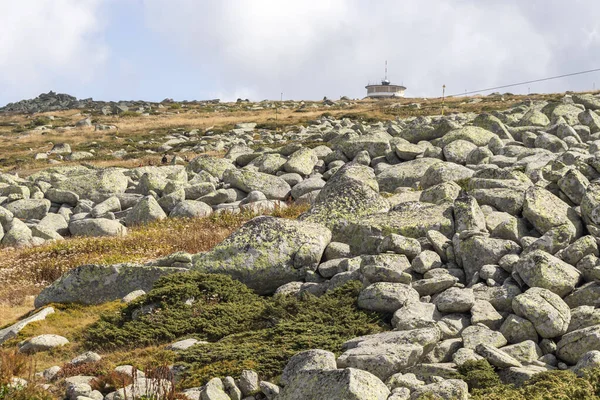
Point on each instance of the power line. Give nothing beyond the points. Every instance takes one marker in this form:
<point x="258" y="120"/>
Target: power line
<point x="526" y="82"/>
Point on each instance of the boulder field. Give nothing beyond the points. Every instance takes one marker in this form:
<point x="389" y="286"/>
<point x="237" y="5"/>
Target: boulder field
<point x="477" y="235"/>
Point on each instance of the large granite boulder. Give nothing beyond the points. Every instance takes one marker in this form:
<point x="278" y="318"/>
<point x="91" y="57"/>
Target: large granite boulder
<point x="147" y="210"/>
<point x="301" y="162"/>
<point x="386" y="296"/>
<point x="474" y="134"/>
<point x="308" y="360"/>
<point x="95" y="284"/>
<point x="574" y="345"/>
<point x="97" y="227"/>
<point x="549" y="314"/>
<point x="406" y="174"/>
<point x="29" y="208"/>
<point x="545" y="212"/>
<point x="342" y="384"/>
<point x="411" y="219"/>
<point x="94" y="185"/>
<point x="267" y="252"/>
<point x="349" y="194"/>
<point x="540" y="269"/>
<point x="390" y="352"/>
<point x="214" y="166"/>
<point x="273" y="187"/>
<point x="376" y="144"/>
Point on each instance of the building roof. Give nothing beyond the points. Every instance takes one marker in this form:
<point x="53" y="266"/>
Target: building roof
<point x="388" y="85"/>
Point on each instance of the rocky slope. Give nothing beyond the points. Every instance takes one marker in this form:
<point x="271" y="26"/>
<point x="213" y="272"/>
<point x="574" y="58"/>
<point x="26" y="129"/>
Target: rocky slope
<point x="477" y="234"/>
<point x="52" y="101"/>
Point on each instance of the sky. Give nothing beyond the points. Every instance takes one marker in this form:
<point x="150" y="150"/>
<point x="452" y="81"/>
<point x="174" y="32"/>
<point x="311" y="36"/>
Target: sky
<point x="258" y="49"/>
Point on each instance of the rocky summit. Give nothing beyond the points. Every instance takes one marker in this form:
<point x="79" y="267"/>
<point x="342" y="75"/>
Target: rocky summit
<point x="467" y="244"/>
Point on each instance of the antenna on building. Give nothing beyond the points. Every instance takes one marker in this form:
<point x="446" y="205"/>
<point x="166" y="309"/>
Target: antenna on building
<point x="385" y="80"/>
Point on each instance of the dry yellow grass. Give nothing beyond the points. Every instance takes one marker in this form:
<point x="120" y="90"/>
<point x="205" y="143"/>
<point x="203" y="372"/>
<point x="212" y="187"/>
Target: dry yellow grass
<point x="24" y="272"/>
<point x="19" y="148"/>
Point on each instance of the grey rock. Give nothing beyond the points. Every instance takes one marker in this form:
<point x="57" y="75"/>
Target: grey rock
<point x="407" y="174"/>
<point x="589" y="360"/>
<point x="386" y="297"/>
<point x="191" y="209"/>
<point x="540" y="269"/>
<point x="442" y="172"/>
<point x="94" y="185"/>
<point x="425" y="261"/>
<point x="517" y="329"/>
<point x="546" y="310"/>
<point x="400" y="245"/>
<point x="526" y="352"/>
<point x="144" y="212"/>
<point x="350" y="194"/>
<point x="411" y="219"/>
<point x="448" y="389"/>
<point x="545" y="211"/>
<point x="496" y="357"/>
<point x="301" y="162"/>
<point x="415" y="315"/>
<point x="349" y="383"/>
<point x="42" y="343"/>
<point x="573" y="345"/>
<point x="29" y="208"/>
<point x="308" y="360"/>
<point x="455" y="300"/>
<point x="247" y="254"/>
<point x="98" y="227"/>
<point x="248" y="382"/>
<point x="483" y="312"/>
<point x="474" y="335"/>
<point x="12" y="330"/>
<point x="272" y="186"/>
<point x="95" y="284"/>
<point x="387" y="353"/>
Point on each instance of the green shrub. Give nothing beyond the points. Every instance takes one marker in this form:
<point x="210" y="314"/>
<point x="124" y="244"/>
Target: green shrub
<point x="129" y="114"/>
<point x="479" y="374"/>
<point x="555" y="385"/>
<point x="39" y="121"/>
<point x="247" y="331"/>
<point x="220" y="307"/>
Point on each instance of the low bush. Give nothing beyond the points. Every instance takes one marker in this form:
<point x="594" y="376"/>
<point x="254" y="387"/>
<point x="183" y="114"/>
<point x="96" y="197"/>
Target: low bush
<point x="485" y="384"/>
<point x="479" y="374"/>
<point x="247" y="331"/>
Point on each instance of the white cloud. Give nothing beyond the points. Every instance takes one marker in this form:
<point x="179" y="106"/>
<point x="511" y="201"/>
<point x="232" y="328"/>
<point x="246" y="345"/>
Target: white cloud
<point x="47" y="42"/>
<point x="313" y="48"/>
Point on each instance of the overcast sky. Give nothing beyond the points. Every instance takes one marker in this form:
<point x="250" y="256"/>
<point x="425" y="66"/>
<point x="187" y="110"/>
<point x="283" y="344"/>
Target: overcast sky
<point x="307" y="49"/>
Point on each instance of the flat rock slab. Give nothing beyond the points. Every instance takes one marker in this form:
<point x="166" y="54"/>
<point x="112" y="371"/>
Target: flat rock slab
<point x="412" y="219"/>
<point x="12" y="331"/>
<point x="95" y="284"/>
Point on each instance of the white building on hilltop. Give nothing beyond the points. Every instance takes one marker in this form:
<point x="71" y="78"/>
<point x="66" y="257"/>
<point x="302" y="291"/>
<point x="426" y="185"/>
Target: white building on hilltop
<point x="385" y="89"/>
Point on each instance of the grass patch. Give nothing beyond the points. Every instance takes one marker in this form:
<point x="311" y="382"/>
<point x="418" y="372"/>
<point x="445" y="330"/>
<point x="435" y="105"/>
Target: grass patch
<point x="24" y="272"/>
<point x="247" y="330"/>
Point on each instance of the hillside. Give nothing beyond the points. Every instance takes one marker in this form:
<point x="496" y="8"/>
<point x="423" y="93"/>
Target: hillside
<point x="347" y="249"/>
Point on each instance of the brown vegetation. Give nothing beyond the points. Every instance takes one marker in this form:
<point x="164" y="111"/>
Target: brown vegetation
<point x="24" y="272"/>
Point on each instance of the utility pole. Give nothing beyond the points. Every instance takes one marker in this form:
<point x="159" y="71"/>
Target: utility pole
<point x="443" y="98"/>
<point x="277" y="112"/>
